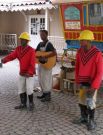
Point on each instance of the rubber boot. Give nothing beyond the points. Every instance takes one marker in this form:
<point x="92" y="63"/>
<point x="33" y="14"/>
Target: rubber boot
<point x="91" y="123"/>
<point x="40" y="97"/>
<point x="23" y="98"/>
<point x="47" y="97"/>
<point x="31" y="102"/>
<point x="84" y="115"/>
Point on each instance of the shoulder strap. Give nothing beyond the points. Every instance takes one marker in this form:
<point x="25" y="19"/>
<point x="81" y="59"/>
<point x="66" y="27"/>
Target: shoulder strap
<point x="46" y="45"/>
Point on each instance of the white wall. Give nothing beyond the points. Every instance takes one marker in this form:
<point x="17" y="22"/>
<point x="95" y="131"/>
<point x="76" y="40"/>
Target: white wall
<point x="55" y="23"/>
<point x="15" y="22"/>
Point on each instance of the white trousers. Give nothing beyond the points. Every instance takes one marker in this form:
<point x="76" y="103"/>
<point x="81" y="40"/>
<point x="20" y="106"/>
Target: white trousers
<point x="45" y="79"/>
<point x="26" y="84"/>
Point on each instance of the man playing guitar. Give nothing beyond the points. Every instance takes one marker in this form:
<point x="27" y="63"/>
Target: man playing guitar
<point x="45" y="74"/>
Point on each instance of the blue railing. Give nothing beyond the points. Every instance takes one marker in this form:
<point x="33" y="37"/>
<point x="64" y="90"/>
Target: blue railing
<point x="75" y="44"/>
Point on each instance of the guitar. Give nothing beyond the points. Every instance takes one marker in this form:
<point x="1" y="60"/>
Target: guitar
<point x="50" y="61"/>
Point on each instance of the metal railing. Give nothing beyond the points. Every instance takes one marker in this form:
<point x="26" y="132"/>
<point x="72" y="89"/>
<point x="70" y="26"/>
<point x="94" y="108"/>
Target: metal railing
<point x="8" y="41"/>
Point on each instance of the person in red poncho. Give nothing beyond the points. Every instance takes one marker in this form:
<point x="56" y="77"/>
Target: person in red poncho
<point x="26" y="56"/>
<point x="88" y="74"/>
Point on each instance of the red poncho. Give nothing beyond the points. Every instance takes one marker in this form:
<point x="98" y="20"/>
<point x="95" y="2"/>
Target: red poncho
<point x="26" y="57"/>
<point x="89" y="67"/>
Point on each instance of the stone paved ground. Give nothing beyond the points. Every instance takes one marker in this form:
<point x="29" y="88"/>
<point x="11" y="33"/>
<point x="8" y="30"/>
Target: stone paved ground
<point x="54" y="118"/>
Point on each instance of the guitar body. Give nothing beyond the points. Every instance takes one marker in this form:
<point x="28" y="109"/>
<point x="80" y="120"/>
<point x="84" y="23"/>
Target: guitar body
<point x="50" y="62"/>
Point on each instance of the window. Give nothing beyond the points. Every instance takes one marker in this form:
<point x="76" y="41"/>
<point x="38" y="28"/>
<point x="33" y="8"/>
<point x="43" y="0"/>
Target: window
<point x="37" y="24"/>
<point x="95" y="14"/>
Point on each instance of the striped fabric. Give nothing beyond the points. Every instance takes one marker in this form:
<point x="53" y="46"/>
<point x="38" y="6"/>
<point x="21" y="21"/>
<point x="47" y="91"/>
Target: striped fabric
<point x="86" y="56"/>
<point x="89" y="67"/>
<point x="26" y="57"/>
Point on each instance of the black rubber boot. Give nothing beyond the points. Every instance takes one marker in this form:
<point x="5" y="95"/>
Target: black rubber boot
<point x="84" y="115"/>
<point x="31" y="102"/>
<point x="91" y="123"/>
<point x="47" y="97"/>
<point x="40" y="97"/>
<point x="23" y="98"/>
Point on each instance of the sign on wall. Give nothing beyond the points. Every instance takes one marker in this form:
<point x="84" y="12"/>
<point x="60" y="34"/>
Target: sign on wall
<point x="72" y="25"/>
<point x="71" y="17"/>
<point x="72" y="13"/>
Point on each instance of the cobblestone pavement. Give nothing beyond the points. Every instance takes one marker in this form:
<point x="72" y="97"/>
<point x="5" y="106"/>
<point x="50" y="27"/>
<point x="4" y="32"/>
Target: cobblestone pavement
<point x="54" y="118"/>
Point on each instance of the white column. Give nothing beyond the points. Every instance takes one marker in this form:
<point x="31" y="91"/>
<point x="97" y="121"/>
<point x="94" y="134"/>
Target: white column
<point x="47" y="19"/>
